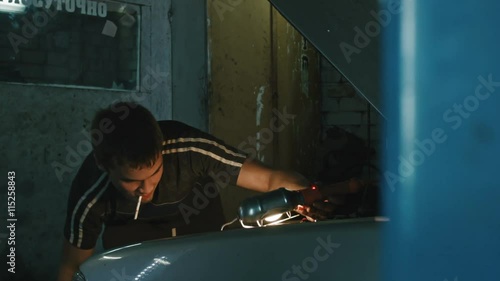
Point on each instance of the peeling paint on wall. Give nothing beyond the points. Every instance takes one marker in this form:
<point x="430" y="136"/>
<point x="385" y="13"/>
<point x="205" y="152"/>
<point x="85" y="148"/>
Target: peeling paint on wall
<point x="304" y="75"/>
<point x="257" y="144"/>
<point x="260" y="105"/>
<point x="258" y="116"/>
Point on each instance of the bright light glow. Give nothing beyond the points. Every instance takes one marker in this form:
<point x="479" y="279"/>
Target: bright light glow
<point x="12" y="8"/>
<point x="124" y="247"/>
<point x="408" y="66"/>
<point x="273" y="218"/>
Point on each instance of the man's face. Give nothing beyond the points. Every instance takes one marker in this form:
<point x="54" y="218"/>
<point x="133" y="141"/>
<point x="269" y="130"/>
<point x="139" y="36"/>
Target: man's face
<point x="137" y="182"/>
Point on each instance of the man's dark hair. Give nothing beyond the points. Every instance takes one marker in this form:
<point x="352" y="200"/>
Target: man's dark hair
<point x="126" y="134"/>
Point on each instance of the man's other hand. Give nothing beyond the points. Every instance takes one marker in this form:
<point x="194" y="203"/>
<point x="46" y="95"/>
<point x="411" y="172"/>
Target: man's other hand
<point x="333" y="200"/>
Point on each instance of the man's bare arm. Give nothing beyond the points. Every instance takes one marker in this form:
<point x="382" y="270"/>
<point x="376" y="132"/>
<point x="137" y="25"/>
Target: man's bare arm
<point x="256" y="176"/>
<point x="72" y="258"/>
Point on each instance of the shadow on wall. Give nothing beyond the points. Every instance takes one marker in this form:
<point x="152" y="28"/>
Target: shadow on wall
<point x="345" y="156"/>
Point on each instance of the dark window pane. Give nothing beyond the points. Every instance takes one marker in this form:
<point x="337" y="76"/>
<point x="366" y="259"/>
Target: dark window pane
<point x="71" y="42"/>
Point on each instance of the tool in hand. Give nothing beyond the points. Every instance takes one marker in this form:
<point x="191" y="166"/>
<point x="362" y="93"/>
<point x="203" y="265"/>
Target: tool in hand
<point x="274" y="207"/>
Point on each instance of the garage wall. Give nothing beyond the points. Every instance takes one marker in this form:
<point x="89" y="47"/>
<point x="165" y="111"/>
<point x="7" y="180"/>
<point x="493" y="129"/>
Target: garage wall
<point x="298" y="92"/>
<point x="262" y="73"/>
<point x="239" y="38"/>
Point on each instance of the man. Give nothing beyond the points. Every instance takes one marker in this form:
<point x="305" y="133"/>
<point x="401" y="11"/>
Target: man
<point x="141" y="173"/>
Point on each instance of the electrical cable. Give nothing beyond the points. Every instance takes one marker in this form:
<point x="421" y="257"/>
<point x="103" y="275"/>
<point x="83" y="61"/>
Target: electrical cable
<point x="229" y="223"/>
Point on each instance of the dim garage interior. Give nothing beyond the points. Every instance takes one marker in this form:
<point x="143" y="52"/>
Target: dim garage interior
<point x="387" y="107"/>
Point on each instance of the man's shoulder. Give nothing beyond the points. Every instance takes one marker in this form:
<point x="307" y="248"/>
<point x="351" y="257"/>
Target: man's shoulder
<point x="90" y="179"/>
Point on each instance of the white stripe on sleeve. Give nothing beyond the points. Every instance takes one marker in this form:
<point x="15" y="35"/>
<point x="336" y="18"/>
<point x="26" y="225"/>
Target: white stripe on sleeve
<point x="204" y="152"/>
<point x="96" y="184"/>
<point x="203" y="140"/>
<point x="84" y="215"/>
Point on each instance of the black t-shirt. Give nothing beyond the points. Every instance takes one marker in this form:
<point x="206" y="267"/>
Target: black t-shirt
<point x="189" y="157"/>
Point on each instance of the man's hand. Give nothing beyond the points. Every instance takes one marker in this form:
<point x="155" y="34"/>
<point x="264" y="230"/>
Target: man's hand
<point x="322" y="204"/>
<point x="71" y="260"/>
<point x="332" y="199"/>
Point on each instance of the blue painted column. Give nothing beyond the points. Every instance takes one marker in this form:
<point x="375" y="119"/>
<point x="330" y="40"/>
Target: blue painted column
<point x="441" y="87"/>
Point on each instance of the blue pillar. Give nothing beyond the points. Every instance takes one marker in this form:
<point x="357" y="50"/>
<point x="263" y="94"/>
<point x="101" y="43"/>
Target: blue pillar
<point x="441" y="92"/>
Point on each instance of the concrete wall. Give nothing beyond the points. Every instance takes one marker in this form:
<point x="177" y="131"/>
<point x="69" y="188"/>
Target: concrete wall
<point x="239" y="38"/>
<point x="42" y="132"/>
<point x="189" y="62"/>
<point x="298" y="92"/>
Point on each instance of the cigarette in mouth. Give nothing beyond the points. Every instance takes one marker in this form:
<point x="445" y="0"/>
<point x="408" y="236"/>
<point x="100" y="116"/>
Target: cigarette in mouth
<point x="137" y="208"/>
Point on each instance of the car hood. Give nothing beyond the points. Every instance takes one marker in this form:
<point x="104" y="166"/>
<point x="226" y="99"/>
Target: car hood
<point x="329" y="249"/>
